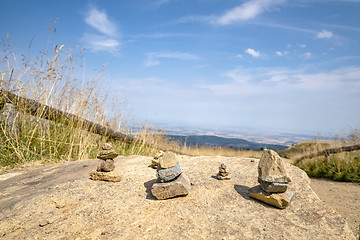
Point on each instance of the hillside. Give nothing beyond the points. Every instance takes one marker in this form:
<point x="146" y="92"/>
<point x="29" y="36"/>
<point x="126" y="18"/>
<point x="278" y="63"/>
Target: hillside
<point x="215" y="141"/>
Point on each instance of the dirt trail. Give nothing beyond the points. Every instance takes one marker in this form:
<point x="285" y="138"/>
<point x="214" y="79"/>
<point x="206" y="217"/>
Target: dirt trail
<point x="344" y="197"/>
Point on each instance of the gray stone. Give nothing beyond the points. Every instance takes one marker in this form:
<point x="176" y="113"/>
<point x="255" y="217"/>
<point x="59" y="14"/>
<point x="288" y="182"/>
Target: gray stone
<point x="106" y="166"/>
<point x="273" y="187"/>
<point x="279" y="200"/>
<point x="179" y="187"/>
<point x="168" y="174"/>
<point x="272" y="174"/>
<point x="107" y="154"/>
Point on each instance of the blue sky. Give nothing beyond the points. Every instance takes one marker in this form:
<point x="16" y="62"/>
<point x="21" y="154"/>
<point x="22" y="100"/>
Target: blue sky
<point x="258" y="63"/>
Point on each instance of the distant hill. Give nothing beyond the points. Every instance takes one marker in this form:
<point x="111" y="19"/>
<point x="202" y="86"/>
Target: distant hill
<point x="214" y="141"/>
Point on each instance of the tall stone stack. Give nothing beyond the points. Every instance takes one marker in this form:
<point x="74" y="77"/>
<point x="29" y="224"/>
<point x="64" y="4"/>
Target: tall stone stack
<point x="105" y="170"/>
<point x="171" y="181"/>
<point x="223" y="173"/>
<point x="273" y="181"/>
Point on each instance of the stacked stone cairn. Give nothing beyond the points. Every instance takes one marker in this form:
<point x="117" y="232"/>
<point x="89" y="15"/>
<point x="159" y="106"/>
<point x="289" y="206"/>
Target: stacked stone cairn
<point x="273" y="181"/>
<point x="105" y="170"/>
<point x="171" y="181"/>
<point x="223" y="172"/>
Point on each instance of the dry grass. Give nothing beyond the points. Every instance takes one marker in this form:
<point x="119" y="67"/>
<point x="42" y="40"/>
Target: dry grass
<point x="54" y="77"/>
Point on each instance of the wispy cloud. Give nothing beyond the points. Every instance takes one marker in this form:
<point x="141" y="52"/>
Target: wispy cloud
<point x="106" y="38"/>
<point x="246" y="11"/>
<point x="307" y="55"/>
<point x="153" y="58"/>
<point x="99" y="20"/>
<point x="253" y="52"/>
<point x="325" y="34"/>
<point x="279" y="53"/>
<point x="244" y="82"/>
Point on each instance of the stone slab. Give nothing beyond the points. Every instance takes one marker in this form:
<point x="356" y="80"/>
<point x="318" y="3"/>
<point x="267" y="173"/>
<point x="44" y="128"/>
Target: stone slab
<point x="105" y="176"/>
<point x="179" y="187"/>
<point x="273" y="187"/>
<point x="279" y="200"/>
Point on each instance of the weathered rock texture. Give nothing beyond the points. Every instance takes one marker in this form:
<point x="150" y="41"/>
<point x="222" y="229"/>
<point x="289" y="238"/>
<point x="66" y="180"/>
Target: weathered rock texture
<point x="69" y="205"/>
<point x="272" y="173"/>
<point x="179" y="187"/>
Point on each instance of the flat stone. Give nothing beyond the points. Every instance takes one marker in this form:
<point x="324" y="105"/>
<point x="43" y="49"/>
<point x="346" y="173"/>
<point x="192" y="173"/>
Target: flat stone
<point x="107" y="154"/>
<point x="179" y="187"/>
<point x="279" y="200"/>
<point x="106" y="166"/>
<point x="113" y="176"/>
<point x="223" y="177"/>
<point x="168" y="174"/>
<point x="271" y="169"/>
<point x="168" y="160"/>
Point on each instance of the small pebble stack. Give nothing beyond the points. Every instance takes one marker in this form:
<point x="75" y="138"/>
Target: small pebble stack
<point x="108" y="155"/>
<point x="223" y="172"/>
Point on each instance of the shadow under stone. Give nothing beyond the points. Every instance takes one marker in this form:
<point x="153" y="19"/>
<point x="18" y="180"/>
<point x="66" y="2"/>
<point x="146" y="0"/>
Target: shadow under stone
<point x="148" y="186"/>
<point x="243" y="191"/>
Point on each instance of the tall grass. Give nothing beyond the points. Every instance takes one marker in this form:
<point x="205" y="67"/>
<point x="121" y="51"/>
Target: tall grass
<point x="344" y="166"/>
<point x="51" y="77"/>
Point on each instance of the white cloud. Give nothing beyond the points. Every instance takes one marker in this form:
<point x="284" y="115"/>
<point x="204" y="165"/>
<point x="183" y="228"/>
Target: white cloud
<point x="325" y="34"/>
<point x="239" y="56"/>
<point x="301" y="45"/>
<point x="101" y="43"/>
<point x="307" y="55"/>
<point x="247" y="11"/>
<point x="153" y="57"/>
<point x="279" y="53"/>
<point x="107" y="39"/>
<point x="99" y="20"/>
<point x="253" y="52"/>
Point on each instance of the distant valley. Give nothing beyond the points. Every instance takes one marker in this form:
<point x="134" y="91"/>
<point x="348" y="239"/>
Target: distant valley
<point x="215" y="141"/>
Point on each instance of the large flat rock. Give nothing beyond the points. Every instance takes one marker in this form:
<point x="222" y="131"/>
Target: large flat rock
<point x="61" y="202"/>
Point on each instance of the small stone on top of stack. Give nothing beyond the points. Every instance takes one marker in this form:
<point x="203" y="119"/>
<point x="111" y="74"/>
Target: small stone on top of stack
<point x="273" y="181"/>
<point x="105" y="170"/>
<point x="155" y="160"/>
<point x="172" y="182"/>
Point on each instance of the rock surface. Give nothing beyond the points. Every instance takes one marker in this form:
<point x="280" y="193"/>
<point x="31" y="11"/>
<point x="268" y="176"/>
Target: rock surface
<point x="69" y="205"/>
<point x="279" y="200"/>
<point x="179" y="187"/>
